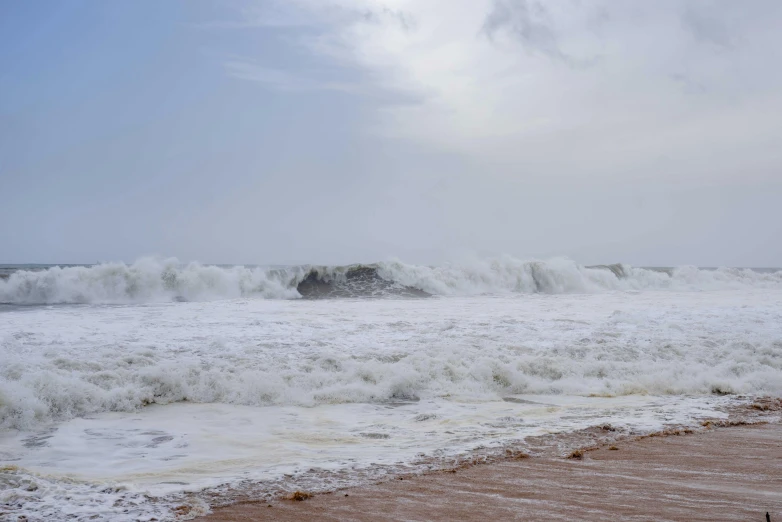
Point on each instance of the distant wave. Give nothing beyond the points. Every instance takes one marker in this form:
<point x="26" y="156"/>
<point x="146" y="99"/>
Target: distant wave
<point x="155" y="280"/>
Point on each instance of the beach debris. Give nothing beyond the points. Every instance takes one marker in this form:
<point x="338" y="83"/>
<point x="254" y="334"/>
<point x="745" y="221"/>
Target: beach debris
<point x="299" y="496"/>
<point x="183" y="510"/>
<point x="516" y="454"/>
<point x="576" y="454"/>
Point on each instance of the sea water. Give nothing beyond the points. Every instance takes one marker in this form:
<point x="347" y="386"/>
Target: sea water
<point x="128" y="389"/>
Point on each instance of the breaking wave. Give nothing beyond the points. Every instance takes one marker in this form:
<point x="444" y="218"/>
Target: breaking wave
<point x="154" y="280"/>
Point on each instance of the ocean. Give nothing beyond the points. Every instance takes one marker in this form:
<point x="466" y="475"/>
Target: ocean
<point x="128" y="391"/>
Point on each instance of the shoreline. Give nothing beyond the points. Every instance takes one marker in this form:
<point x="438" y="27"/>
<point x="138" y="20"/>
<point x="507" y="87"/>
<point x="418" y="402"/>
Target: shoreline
<point x="727" y="469"/>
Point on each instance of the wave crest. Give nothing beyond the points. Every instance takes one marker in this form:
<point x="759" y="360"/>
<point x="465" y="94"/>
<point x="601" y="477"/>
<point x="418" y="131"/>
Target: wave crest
<point x="154" y="280"/>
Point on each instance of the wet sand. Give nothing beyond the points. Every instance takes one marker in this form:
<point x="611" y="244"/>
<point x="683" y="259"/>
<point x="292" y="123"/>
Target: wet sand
<point x="732" y="473"/>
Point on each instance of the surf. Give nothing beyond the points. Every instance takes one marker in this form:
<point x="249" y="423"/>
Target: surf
<point x="152" y="280"/>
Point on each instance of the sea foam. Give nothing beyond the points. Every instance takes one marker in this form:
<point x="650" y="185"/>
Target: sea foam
<point x="154" y="280"/>
<point x="64" y="362"/>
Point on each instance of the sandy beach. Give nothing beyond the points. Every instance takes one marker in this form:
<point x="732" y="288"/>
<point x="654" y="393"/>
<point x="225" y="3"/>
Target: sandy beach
<point x="726" y="473"/>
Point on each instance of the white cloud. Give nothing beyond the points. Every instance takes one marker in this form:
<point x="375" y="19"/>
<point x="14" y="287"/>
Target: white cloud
<point x="605" y="88"/>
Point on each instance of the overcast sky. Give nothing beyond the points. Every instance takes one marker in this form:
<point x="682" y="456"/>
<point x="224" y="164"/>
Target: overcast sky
<point x="337" y="131"/>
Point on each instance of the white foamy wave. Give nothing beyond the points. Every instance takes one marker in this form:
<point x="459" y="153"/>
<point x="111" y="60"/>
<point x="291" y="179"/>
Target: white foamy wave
<point x="560" y="275"/>
<point x="52" y="394"/>
<point x="146" y="280"/>
<point x="153" y="280"/>
<point x="61" y="363"/>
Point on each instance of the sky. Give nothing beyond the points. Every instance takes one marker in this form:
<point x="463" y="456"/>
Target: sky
<point x="342" y="131"/>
